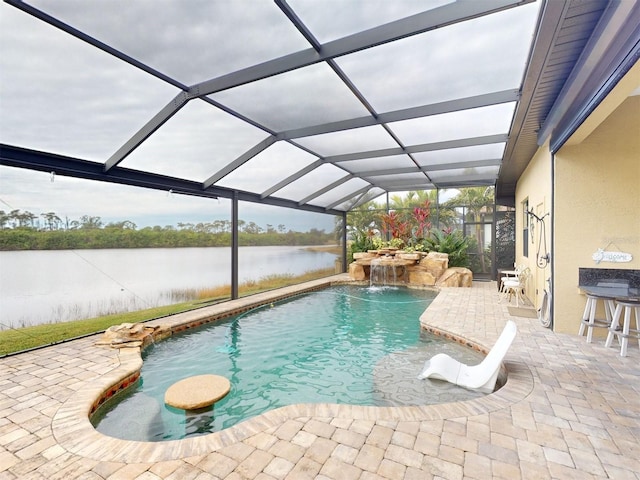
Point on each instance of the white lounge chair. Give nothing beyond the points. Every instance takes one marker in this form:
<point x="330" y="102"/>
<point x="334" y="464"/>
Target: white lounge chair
<point x="481" y="377"/>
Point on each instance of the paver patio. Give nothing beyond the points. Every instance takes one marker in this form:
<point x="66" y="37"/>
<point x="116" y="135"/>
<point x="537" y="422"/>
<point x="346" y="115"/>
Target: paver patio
<point x="568" y="410"/>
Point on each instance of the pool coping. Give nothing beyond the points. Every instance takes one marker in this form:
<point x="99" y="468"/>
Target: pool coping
<point x="73" y="430"/>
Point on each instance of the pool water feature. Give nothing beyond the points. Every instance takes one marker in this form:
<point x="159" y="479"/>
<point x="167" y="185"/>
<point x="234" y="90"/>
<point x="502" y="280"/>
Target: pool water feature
<point x="346" y="344"/>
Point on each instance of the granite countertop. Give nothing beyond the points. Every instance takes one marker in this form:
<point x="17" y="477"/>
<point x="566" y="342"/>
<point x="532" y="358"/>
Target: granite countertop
<point x="623" y="284"/>
<point x="620" y="293"/>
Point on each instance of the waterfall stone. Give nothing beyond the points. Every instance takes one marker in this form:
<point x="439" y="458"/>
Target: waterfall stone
<point x="455" y="277"/>
<point x="421" y="277"/>
<point x="356" y="272"/>
<point x="391" y="267"/>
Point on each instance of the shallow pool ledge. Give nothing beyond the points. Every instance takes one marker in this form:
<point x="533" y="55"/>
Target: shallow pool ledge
<point x="74" y="432"/>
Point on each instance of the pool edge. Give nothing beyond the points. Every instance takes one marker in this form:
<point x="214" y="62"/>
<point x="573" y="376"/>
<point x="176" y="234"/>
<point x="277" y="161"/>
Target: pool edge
<point x="73" y="430"/>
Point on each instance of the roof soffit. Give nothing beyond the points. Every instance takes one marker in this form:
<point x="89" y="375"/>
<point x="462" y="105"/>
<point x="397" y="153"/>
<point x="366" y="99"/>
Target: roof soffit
<point x="563" y="30"/>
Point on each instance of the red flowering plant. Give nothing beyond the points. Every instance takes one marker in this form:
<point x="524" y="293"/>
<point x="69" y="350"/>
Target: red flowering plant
<point x="408" y="231"/>
<point x="423" y="225"/>
<point x="399" y="230"/>
<point x="421" y="228"/>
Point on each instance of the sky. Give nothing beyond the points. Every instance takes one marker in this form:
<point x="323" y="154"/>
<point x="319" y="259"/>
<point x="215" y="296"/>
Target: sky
<point x="41" y="192"/>
<point x="57" y="94"/>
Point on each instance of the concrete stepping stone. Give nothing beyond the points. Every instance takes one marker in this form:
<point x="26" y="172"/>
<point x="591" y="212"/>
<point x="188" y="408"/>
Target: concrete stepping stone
<point x="197" y="392"/>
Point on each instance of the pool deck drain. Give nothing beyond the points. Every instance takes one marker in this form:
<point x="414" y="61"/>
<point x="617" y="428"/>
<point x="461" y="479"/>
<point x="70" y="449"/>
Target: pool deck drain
<point x="568" y="410"/>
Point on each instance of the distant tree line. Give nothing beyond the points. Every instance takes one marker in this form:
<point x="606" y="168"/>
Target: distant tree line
<point x="22" y="230"/>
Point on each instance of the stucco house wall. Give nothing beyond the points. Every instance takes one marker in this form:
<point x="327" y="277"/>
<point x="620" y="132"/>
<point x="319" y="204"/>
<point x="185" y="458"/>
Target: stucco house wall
<point x="534" y="187"/>
<point x="591" y="188"/>
<point x="596" y="205"/>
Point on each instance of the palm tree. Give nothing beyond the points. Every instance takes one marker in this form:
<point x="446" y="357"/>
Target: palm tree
<point x="87" y="222"/>
<point x="4" y="219"/>
<point x="412" y="199"/>
<point x="366" y="217"/>
<point x="52" y="220"/>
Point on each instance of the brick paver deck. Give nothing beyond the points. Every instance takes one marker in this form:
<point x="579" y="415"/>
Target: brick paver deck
<point x="569" y="410"/>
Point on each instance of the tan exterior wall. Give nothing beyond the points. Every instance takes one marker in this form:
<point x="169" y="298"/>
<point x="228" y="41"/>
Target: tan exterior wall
<point x="534" y="186"/>
<point x="597" y="205"/>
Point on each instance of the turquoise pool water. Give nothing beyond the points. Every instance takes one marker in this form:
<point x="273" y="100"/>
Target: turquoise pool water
<point x="346" y="344"/>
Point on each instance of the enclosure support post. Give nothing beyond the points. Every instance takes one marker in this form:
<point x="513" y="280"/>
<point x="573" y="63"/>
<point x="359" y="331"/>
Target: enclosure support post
<point x="344" y="242"/>
<point x="494" y="227"/>
<point x="438" y="208"/>
<point x="234" y="246"/>
<point x="388" y="233"/>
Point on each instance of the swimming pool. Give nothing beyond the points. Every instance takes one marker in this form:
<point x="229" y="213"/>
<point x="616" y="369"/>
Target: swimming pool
<point x="346" y="344"/>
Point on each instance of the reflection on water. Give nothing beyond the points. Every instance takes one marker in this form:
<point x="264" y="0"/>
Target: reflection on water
<point x="197" y="422"/>
<point x="58" y="285"/>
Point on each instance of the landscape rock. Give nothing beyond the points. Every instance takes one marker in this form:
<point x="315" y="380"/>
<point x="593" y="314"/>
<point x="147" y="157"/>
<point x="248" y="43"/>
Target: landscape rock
<point x="359" y="255"/>
<point x="414" y="268"/>
<point x="130" y="335"/>
<point x="456" y="277"/>
<point x="435" y="263"/>
<point x="356" y="272"/>
<point x="419" y="276"/>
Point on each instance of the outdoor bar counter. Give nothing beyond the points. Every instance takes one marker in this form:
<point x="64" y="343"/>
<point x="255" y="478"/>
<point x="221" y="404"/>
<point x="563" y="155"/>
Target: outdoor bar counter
<point x="619" y="291"/>
<point x="621" y="284"/>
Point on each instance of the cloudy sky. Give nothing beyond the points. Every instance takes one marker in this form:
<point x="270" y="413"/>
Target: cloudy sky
<point x="39" y="192"/>
<point x="59" y="94"/>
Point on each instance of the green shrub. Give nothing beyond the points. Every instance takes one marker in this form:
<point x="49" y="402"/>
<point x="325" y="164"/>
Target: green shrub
<point x="361" y="241"/>
<point x="452" y="242"/>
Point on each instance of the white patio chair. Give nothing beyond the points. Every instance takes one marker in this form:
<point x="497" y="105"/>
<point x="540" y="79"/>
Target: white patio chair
<point x="516" y="286"/>
<point x="508" y="275"/>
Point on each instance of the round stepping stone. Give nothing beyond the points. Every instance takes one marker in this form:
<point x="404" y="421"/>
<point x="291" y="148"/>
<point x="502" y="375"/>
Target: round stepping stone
<point x="197" y="392"/>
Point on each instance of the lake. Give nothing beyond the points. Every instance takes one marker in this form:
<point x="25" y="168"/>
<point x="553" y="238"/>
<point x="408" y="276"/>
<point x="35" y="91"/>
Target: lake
<point x="45" y="286"/>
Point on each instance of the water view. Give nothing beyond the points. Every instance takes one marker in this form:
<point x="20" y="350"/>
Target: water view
<point x="48" y="286"/>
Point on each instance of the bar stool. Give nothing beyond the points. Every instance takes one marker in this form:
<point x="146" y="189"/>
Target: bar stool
<point x="589" y="320"/>
<point x="626" y="332"/>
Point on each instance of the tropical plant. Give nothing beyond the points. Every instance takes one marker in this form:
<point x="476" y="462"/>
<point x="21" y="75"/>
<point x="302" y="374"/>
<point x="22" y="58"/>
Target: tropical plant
<point x="478" y="202"/>
<point x="413" y="199"/>
<point x="365" y="217"/>
<point x="394" y="226"/>
<point x="408" y="224"/>
<point x="422" y="228"/>
<point x="452" y="242"/>
<point x="361" y="242"/>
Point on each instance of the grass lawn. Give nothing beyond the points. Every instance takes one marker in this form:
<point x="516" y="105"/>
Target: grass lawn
<point x="16" y="340"/>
